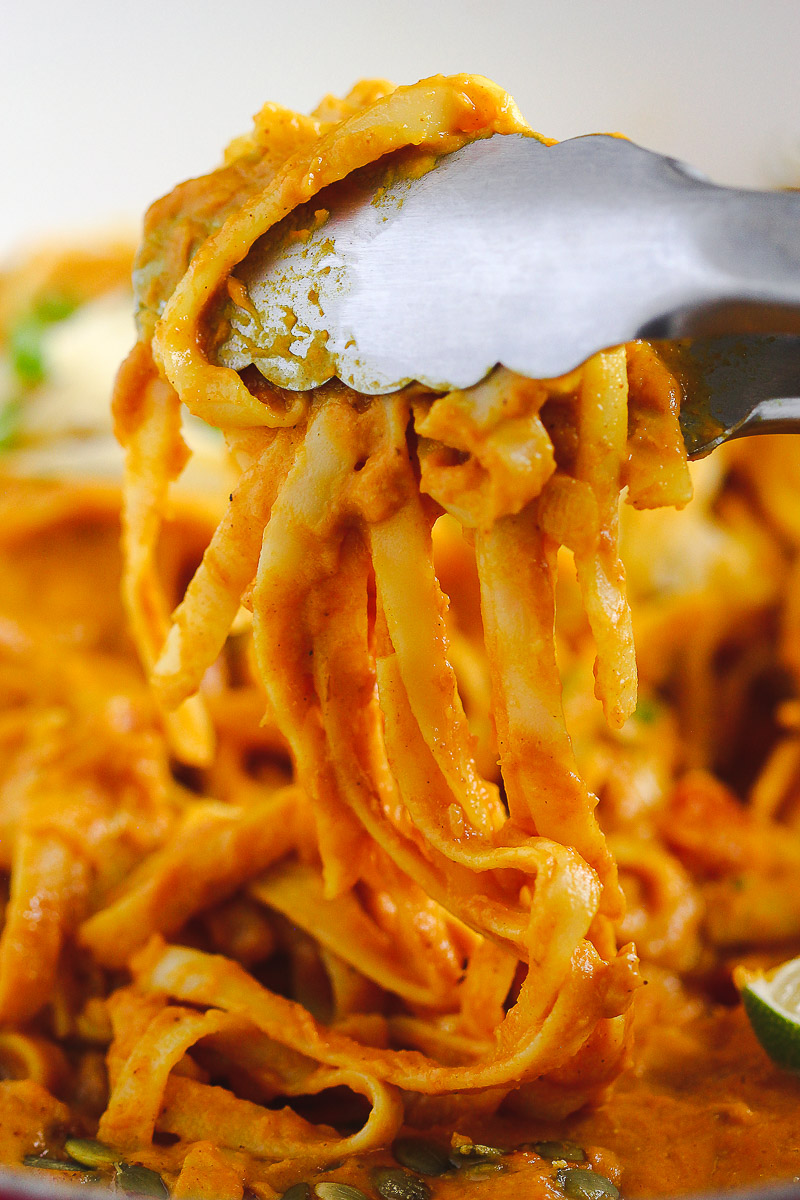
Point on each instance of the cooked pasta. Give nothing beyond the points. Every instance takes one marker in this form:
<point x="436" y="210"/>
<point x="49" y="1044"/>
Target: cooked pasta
<point x="342" y="824"/>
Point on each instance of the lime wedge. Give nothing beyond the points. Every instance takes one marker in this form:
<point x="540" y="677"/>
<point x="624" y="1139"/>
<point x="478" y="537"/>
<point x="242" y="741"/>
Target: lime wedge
<point x="772" y="1004"/>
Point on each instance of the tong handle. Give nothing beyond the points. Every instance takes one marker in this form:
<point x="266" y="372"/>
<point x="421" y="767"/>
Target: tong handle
<point x="735" y="387"/>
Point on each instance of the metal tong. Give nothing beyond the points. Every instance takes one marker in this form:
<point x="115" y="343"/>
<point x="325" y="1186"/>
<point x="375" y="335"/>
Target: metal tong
<point x="533" y="256"/>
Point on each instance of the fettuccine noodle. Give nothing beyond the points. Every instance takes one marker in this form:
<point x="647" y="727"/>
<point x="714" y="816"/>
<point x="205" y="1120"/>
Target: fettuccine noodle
<point x="340" y="843"/>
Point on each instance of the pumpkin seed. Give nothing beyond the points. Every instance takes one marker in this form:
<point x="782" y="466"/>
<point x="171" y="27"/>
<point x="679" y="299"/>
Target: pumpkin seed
<point x="581" y="1184"/>
<point x="91" y="1153"/>
<point x="472" y="1153"/>
<point x="482" y="1170"/>
<point x="338" y="1191"/>
<point x="137" y="1180"/>
<point x="50" y="1164"/>
<point x="553" y="1151"/>
<point x="422" y="1156"/>
<point x="393" y="1183"/>
<point x="298" y="1191"/>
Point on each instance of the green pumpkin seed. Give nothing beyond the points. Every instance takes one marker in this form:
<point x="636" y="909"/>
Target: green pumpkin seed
<point x="422" y="1156"/>
<point x="553" y="1151"/>
<point x="482" y="1170"/>
<point x="338" y="1191"/>
<point x="92" y="1153"/>
<point x="580" y="1184"/>
<point x="137" y="1180"/>
<point x="298" y="1191"/>
<point x="393" y="1183"/>
<point x="50" y="1164"/>
<point x="473" y="1153"/>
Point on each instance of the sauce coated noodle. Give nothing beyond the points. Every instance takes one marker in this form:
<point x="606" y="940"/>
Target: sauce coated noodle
<point x="244" y="973"/>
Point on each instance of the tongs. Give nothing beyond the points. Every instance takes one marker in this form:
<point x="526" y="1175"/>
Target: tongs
<point x="510" y="251"/>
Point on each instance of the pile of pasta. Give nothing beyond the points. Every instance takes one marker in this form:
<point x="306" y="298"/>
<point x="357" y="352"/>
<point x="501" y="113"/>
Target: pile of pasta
<point x="301" y="835"/>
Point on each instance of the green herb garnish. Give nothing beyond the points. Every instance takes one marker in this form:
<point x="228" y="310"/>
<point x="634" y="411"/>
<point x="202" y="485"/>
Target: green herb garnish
<point x="647" y="710"/>
<point x="10" y="414"/>
<point x="26" y="338"/>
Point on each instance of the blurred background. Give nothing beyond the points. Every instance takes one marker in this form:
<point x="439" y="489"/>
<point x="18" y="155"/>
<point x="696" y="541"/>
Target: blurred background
<point x="106" y="105"/>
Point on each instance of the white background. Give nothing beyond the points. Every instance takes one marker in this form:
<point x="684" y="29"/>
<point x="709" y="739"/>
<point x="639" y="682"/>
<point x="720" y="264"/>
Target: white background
<point x="104" y="105"/>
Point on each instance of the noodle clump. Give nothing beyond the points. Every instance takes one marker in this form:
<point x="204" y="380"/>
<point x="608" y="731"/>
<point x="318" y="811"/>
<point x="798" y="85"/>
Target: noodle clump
<point x="328" y="540"/>
<point x="341" y="845"/>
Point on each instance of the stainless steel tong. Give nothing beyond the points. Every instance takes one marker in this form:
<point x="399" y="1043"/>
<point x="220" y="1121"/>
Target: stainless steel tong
<point x="510" y="251"/>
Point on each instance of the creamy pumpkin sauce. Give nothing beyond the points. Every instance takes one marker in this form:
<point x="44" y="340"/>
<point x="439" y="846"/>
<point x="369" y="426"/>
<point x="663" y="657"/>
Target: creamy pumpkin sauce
<point x="701" y="1108"/>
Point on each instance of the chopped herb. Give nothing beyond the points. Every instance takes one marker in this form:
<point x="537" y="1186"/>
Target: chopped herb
<point x="393" y="1183"/>
<point x="422" y="1156"/>
<point x="647" y="710"/>
<point x="137" y="1180"/>
<point x="53" y="307"/>
<point x="581" y="1184"/>
<point x="10" y="414"/>
<point x="27" y="352"/>
<point x="26" y="339"/>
